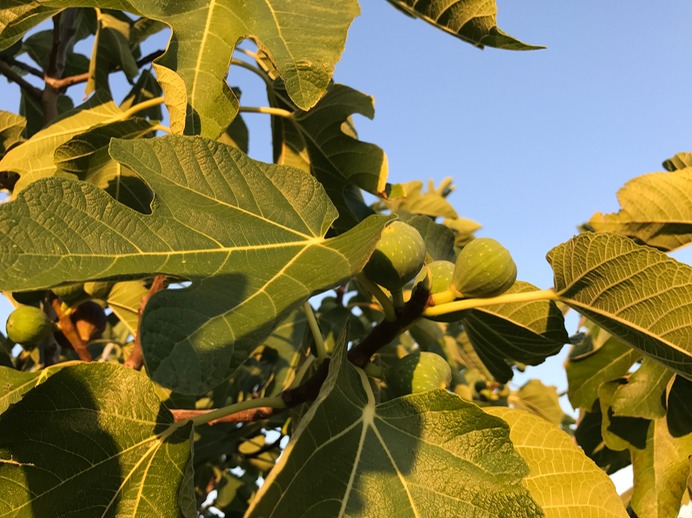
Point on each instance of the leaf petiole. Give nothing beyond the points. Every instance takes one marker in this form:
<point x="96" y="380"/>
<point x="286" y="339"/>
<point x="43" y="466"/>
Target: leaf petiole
<point x="461" y="305"/>
<point x="315" y="330"/>
<point x="219" y="413"/>
<point x="380" y="295"/>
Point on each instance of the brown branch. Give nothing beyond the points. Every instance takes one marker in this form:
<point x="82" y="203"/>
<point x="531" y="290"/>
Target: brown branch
<point x="136" y="359"/>
<point x="244" y="416"/>
<point x="70" y="331"/>
<point x="63" y="33"/>
<point x="25" y="85"/>
<point x="66" y="82"/>
<point x="386" y="331"/>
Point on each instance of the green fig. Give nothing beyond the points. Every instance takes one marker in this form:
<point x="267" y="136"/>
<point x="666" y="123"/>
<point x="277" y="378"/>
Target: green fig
<point x="484" y="268"/>
<point x="28" y="326"/>
<point x="418" y="372"/>
<point x="398" y="256"/>
<point x="441" y="275"/>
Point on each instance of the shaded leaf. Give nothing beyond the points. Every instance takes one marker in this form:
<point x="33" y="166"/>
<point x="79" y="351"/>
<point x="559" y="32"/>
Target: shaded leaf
<point x="124" y="299"/>
<point x="585" y="373"/>
<point x="439" y="239"/>
<point x="634" y="292"/>
<point x="589" y="438"/>
<point x="249" y="235"/>
<point x="14" y="384"/>
<point x="34" y="158"/>
<point x="644" y="394"/>
<point x="619" y="432"/>
<point x="679" y="161"/>
<point x="429" y="454"/>
<point x="656" y="209"/>
<point x="94" y="436"/>
<point x="473" y="21"/>
<point x="324" y="142"/>
<point x="304" y="41"/>
<point x="562" y="480"/>
<point x="146" y="88"/>
<point x="525" y="332"/>
<point x="540" y="400"/>
<point x="679" y="407"/>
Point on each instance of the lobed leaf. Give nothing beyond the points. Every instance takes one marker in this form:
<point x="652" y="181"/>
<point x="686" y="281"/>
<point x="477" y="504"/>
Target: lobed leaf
<point x="250" y="237"/>
<point x="94" y="439"/>
<point x="634" y="292"/>
<point x="562" y="480"/>
<point x="11" y="128"/>
<point x="427" y="455"/>
<point x="656" y="209"/>
<point x="304" y="40"/>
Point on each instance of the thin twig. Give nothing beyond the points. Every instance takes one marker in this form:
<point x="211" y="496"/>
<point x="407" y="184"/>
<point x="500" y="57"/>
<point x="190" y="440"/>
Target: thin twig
<point x="24" y="66"/>
<point x="68" y="329"/>
<point x="25" y="85"/>
<point x="244" y="416"/>
<point x="136" y="359"/>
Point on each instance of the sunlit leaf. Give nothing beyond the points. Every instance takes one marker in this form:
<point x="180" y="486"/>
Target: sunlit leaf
<point x="474" y="21"/>
<point x="304" y="41"/>
<point x="11" y="127"/>
<point x="679" y="161"/>
<point x="249" y="235"/>
<point x="634" y="292"/>
<point x="94" y="438"/>
<point x="562" y="480"/>
<point x="656" y="209"/>
<point x="427" y="455"/>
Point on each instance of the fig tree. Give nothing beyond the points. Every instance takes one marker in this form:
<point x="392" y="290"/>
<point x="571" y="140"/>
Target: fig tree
<point x="28" y="326"/>
<point x="418" y="372"/>
<point x="484" y="268"/>
<point x="398" y="256"/>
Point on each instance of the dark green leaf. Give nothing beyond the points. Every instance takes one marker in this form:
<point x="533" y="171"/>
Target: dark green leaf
<point x="249" y="235"/>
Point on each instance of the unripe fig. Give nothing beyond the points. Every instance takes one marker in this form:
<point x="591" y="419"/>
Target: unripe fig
<point x="398" y="256"/>
<point x="484" y="268"/>
<point x="441" y="275"/>
<point x="90" y="320"/>
<point x="418" y="372"/>
<point x="28" y="326"/>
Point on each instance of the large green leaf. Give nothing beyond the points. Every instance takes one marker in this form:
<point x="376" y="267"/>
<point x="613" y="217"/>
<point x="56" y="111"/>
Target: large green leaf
<point x="250" y="237"/>
<point x="14" y="384"/>
<point x="99" y="118"/>
<point x="426" y="455"/>
<point x="521" y="332"/>
<point x="94" y="439"/>
<point x="563" y="480"/>
<point x="304" y="40"/>
<point x="634" y="292"/>
<point x="323" y="141"/>
<point x="474" y="21"/>
<point x="656" y="209"/>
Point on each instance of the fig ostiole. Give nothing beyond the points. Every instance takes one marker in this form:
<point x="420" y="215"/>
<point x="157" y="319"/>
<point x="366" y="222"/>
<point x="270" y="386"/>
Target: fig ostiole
<point x="398" y="256"/>
<point x="28" y="326"/>
<point x="484" y="268"/>
<point x="418" y="372"/>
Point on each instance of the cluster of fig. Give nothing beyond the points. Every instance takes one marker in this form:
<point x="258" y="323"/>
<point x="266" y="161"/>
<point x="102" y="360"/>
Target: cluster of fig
<point x="483" y="268"/>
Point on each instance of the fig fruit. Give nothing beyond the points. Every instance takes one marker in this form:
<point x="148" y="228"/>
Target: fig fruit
<point x="28" y="326"/>
<point x="484" y="268"/>
<point x="441" y="275"/>
<point x="418" y="372"/>
<point x="398" y="256"/>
